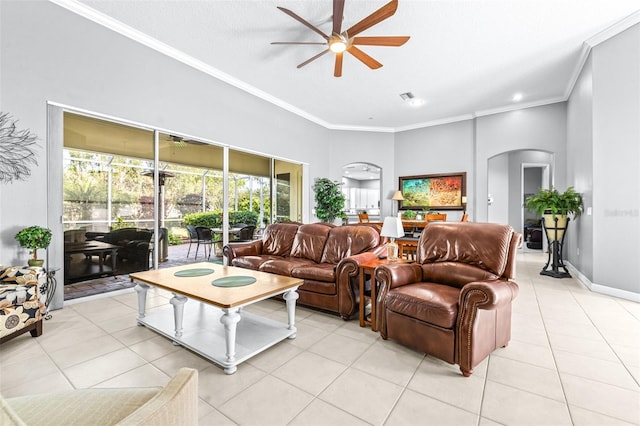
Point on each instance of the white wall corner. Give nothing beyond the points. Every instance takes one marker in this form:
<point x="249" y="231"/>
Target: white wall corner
<point x="598" y="288"/>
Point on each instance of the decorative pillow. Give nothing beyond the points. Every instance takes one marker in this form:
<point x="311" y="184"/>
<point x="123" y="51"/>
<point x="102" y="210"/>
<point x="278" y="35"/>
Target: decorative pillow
<point x="19" y="297"/>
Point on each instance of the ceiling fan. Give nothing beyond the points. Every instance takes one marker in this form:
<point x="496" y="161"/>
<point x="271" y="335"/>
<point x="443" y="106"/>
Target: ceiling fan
<point x="346" y="41"/>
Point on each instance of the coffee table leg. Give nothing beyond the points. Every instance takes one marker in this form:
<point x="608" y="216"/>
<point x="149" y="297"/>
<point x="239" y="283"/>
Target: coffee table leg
<point x="141" y="289"/>
<point x="291" y="296"/>
<point x="178" y="302"/>
<point x="230" y="321"/>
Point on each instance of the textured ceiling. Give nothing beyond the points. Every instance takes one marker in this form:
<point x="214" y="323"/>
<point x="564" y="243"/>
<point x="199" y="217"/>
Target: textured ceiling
<point x="465" y="57"/>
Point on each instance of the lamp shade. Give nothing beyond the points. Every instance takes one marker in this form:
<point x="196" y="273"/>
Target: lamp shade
<point x="397" y="196"/>
<point x="392" y="227"/>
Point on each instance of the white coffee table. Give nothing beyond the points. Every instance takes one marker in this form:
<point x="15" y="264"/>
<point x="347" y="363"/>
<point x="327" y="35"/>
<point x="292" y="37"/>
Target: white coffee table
<point x="242" y="334"/>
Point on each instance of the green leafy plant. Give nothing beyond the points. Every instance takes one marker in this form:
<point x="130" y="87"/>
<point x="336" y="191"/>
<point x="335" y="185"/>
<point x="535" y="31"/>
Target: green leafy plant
<point x="329" y="200"/>
<point x="33" y="238"/>
<point x="174" y="239"/>
<point x="408" y="214"/>
<point x="551" y="200"/>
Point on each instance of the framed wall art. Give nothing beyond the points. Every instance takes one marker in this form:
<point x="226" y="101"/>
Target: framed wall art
<point x="433" y="192"/>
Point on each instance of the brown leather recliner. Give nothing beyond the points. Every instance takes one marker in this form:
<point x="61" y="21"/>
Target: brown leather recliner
<point x="454" y="302"/>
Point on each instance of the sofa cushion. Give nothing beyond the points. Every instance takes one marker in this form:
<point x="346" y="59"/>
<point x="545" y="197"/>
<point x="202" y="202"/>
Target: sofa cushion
<point x="278" y="238"/>
<point x="485" y="246"/>
<point x="349" y="240"/>
<point x="432" y="303"/>
<point x="284" y="266"/>
<point x="252" y="262"/>
<point x="309" y="241"/>
<point x="319" y="272"/>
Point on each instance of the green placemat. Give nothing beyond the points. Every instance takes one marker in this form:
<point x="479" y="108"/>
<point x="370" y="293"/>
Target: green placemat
<point x="195" y="272"/>
<point x="234" y="281"/>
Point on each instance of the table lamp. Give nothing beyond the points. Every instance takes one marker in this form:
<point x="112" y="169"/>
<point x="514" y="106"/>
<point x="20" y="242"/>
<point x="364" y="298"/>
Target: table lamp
<point x="392" y="228"/>
<point x="397" y="196"/>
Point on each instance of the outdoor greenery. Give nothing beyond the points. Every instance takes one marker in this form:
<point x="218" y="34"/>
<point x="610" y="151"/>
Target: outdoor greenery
<point x="89" y="177"/>
<point x="329" y="200"/>
<point x="214" y="219"/>
<point x="568" y="202"/>
<point x="33" y="238"/>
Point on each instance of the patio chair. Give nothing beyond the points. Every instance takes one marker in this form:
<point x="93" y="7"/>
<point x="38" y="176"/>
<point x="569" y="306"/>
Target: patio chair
<point x="245" y="234"/>
<point x="193" y="237"/>
<point x="205" y="237"/>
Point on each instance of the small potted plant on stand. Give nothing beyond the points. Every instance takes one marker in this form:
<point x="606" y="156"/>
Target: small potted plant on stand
<point x="33" y="238"/>
<point x="554" y="207"/>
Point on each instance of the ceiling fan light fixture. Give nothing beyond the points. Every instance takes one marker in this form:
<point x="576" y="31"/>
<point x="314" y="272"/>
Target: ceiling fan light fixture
<point x="338" y="44"/>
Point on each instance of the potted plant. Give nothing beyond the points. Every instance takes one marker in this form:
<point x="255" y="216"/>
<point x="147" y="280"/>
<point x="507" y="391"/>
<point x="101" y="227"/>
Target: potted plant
<point x="555" y="206"/>
<point x="409" y="214"/>
<point x="329" y="200"/>
<point x="33" y="238"/>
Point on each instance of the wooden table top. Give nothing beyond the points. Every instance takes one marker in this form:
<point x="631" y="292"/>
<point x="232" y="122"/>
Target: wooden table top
<point x="202" y="289"/>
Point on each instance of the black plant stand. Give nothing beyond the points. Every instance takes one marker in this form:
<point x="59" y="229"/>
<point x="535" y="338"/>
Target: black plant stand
<point x="555" y="251"/>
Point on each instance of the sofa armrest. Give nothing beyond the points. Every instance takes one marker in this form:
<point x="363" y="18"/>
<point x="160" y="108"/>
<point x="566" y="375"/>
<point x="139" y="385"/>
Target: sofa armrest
<point x="347" y="272"/>
<point x="176" y="403"/>
<point x="248" y="248"/>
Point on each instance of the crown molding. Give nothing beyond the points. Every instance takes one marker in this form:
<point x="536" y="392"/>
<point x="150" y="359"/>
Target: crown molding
<point x="515" y="107"/>
<point x="614" y="29"/>
<point x="135" y="35"/>
<point x="590" y="43"/>
<point x="138" y="36"/>
<point x="432" y="123"/>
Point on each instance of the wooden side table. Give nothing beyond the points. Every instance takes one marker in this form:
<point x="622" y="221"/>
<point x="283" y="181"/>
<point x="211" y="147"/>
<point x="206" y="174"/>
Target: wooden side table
<point x="369" y="268"/>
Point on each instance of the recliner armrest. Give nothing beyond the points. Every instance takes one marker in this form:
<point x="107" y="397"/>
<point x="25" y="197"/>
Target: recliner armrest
<point x="488" y="294"/>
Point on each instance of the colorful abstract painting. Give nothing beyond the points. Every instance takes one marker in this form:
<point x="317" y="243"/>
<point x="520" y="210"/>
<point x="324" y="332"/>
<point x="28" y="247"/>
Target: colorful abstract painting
<point x="433" y="192"/>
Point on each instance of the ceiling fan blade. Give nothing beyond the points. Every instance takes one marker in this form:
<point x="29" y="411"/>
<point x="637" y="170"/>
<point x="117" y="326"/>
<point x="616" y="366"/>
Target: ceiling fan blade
<point x="364" y="58"/>
<point x="303" y="22"/>
<point x="337" y="69"/>
<point x="312" y="58"/>
<point x="379" y="15"/>
<point x="298" y="42"/>
<point x="338" y="13"/>
<point x="381" y="41"/>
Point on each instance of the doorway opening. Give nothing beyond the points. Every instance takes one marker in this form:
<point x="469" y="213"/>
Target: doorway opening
<point x="533" y="177"/>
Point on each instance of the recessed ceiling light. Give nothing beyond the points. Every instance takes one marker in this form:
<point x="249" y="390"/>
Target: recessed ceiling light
<point x="517" y="97"/>
<point x="416" y="102"/>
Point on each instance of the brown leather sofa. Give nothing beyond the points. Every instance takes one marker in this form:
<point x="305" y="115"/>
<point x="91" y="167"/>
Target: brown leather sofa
<point x="454" y="302"/>
<point x="325" y="256"/>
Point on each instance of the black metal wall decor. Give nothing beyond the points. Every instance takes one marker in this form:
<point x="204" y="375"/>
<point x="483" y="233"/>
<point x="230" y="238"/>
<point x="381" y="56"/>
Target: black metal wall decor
<point x="555" y="237"/>
<point x="16" y="150"/>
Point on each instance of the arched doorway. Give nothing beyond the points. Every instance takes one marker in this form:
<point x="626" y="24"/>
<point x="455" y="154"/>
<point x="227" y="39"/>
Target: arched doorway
<point x="362" y="190"/>
<point x="511" y="176"/>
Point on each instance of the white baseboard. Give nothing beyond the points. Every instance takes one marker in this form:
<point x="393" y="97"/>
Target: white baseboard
<point x="597" y="288"/>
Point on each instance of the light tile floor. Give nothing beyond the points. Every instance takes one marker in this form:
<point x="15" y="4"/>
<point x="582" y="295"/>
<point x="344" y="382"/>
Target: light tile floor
<point x="574" y="358"/>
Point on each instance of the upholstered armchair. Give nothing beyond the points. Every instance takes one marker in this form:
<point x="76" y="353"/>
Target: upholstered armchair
<point x="454" y="302"/>
<point x="174" y="404"/>
<point x="20" y="305"/>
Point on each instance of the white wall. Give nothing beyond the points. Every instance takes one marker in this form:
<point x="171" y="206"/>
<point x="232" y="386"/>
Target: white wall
<point x="540" y="128"/>
<point x="580" y="168"/>
<point x="616" y="161"/>
<point x="498" y="189"/>
<point x="345" y="147"/>
<point x="447" y="148"/>
<point x="51" y="54"/>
